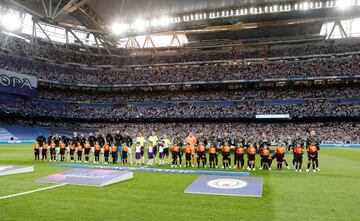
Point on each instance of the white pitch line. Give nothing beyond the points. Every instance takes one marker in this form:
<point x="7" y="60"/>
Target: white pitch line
<point x="32" y="191"/>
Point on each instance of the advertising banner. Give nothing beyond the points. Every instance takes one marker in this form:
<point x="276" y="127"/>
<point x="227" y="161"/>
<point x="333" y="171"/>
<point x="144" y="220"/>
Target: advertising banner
<point x="88" y="177"/>
<point x="15" y="83"/>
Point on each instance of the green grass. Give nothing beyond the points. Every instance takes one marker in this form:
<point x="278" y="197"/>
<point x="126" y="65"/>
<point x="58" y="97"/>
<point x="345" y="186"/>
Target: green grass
<point x="332" y="194"/>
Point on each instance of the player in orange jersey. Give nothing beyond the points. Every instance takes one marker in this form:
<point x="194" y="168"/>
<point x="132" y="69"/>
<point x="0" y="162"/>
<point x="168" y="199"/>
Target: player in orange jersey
<point x="239" y="156"/>
<point x="279" y="154"/>
<point x="312" y="152"/>
<point x="225" y="150"/>
<point x="298" y="156"/>
<point x="213" y="156"/>
<point x="191" y="141"/>
<point x="37" y="151"/>
<point x="251" y="152"/>
<point x="201" y="155"/>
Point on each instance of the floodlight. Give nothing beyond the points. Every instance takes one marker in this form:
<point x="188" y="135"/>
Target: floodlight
<point x="305" y="6"/>
<point x="11" y="22"/>
<point x="343" y="4"/>
<point x="164" y="21"/>
<point x="140" y="24"/>
<point x="119" y="28"/>
<point x="154" y="22"/>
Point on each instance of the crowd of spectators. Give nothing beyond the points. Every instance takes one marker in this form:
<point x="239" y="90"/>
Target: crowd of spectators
<point x="347" y="66"/>
<point x="337" y="132"/>
<point x="312" y="108"/>
<point x="20" y="47"/>
<point x="310" y="92"/>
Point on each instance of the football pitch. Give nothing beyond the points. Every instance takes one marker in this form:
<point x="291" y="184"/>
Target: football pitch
<point x="331" y="194"/>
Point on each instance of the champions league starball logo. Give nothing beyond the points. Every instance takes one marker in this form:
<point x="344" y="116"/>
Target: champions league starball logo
<point x="227" y="183"/>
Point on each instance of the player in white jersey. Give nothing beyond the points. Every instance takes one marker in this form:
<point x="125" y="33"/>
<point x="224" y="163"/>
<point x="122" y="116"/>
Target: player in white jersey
<point x="138" y="153"/>
<point x="161" y="153"/>
<point x="150" y="155"/>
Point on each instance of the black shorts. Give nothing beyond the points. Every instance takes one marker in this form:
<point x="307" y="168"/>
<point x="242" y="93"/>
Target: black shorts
<point x="166" y="151"/>
<point x="312" y="156"/>
<point x="280" y="159"/>
<point x="79" y="153"/>
<point x="225" y="156"/>
<point x="97" y="153"/>
<point x="62" y="151"/>
<point x="44" y="151"/>
<point x="200" y="154"/>
<point x="37" y="151"/>
<point x="106" y="153"/>
<point x="251" y="157"/>
<point x="142" y="151"/>
<point x="52" y="151"/>
<point x="87" y="151"/>
<point x="155" y="150"/>
<point x="212" y="156"/>
<point x="124" y="154"/>
<point x="298" y="157"/>
<point x="239" y="156"/>
<point x="187" y="156"/>
<point x="72" y="152"/>
<point x="175" y="155"/>
<point x="265" y="158"/>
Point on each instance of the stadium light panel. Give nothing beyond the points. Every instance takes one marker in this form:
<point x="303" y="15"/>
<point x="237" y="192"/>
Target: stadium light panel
<point x="154" y="22"/>
<point x="140" y="24"/>
<point x="11" y="22"/>
<point x="164" y="21"/>
<point x="343" y="4"/>
<point x="305" y="6"/>
<point x="119" y="28"/>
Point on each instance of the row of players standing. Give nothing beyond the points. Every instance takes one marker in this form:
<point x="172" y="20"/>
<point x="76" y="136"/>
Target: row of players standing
<point x="93" y="143"/>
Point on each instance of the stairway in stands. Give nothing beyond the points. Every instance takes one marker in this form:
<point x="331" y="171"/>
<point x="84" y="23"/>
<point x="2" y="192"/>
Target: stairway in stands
<point x="5" y="134"/>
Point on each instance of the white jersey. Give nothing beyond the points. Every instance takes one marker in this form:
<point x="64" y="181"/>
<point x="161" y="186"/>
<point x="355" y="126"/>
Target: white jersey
<point x="161" y="149"/>
<point x="137" y="149"/>
<point x="151" y="149"/>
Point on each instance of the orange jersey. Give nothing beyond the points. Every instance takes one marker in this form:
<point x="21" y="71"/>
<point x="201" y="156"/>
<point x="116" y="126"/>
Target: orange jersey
<point x="79" y="148"/>
<point x="175" y="149"/>
<point x="265" y="152"/>
<point x="87" y="146"/>
<point x="240" y="150"/>
<point x="72" y="147"/>
<point x="106" y="147"/>
<point x="312" y="149"/>
<point x="298" y="150"/>
<point x="125" y="148"/>
<point x="225" y="149"/>
<point x="280" y="150"/>
<point x="52" y="145"/>
<point x="36" y="146"/>
<point x="200" y="149"/>
<point x="113" y="149"/>
<point x="97" y="147"/>
<point x="251" y="151"/>
<point x="212" y="150"/>
<point x="191" y="141"/>
<point x="187" y="150"/>
<point x="44" y="147"/>
<point x="63" y="146"/>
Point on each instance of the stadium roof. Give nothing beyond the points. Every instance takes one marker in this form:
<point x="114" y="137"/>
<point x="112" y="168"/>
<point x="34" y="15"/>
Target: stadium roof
<point x="199" y="21"/>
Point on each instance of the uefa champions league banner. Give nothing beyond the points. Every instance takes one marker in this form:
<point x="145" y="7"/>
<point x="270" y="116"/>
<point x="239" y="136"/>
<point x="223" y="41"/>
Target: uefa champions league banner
<point x="15" y="83"/>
